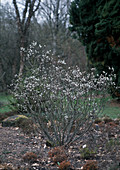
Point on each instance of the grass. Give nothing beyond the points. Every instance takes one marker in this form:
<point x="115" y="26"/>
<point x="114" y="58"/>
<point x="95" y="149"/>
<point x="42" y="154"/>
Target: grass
<point x="111" y="111"/>
<point x="5" y="100"/>
<point x="5" y="109"/>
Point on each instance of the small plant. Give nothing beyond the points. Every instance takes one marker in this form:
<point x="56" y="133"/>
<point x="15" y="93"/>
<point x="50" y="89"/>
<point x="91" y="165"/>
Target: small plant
<point x="57" y="155"/>
<point x="90" y="165"/>
<point x="30" y="157"/>
<point x="65" y="165"/>
<point x="87" y="153"/>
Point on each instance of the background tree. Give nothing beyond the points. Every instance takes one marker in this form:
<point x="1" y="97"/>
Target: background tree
<point x="42" y="30"/>
<point x="55" y="15"/>
<point x="97" y="25"/>
<point x="9" y="53"/>
<point x="54" y="33"/>
<point x="23" y="23"/>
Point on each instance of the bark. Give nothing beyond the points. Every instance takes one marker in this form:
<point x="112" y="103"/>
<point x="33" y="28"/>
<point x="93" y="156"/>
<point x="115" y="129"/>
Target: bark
<point x="23" y="23"/>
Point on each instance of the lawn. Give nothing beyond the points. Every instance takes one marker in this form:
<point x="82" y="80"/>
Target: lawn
<point x="111" y="111"/>
<point x="6" y="109"/>
<point x="5" y="103"/>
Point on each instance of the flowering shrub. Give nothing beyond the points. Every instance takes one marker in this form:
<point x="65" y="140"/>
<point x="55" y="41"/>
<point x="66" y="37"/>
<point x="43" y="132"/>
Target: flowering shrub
<point x="61" y="100"/>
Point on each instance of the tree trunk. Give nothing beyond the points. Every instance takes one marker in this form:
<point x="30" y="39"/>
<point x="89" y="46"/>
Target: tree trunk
<point x="22" y="54"/>
<point x="23" y="24"/>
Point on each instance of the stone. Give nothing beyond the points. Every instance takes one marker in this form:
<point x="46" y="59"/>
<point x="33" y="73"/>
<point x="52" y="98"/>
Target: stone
<point x="13" y="120"/>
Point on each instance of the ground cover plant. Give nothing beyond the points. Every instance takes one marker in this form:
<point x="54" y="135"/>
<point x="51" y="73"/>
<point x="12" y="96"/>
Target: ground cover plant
<point x="60" y="100"/>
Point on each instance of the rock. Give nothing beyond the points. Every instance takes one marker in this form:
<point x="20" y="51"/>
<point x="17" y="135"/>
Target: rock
<point x="49" y="144"/>
<point x="13" y="120"/>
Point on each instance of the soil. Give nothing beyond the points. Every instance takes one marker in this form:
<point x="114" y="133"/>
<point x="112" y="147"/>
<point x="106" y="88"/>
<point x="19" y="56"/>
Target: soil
<point x="102" y="141"/>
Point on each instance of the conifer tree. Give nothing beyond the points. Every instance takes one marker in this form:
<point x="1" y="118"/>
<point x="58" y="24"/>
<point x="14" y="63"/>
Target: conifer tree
<point x="96" y="23"/>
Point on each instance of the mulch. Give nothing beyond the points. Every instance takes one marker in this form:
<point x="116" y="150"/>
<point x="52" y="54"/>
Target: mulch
<point x="103" y="142"/>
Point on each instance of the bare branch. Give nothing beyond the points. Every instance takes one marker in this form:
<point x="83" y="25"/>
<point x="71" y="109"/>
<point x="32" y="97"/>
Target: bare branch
<point x="25" y="11"/>
<point x="31" y="13"/>
<point x="23" y="25"/>
<point x="18" y="17"/>
<point x="37" y="7"/>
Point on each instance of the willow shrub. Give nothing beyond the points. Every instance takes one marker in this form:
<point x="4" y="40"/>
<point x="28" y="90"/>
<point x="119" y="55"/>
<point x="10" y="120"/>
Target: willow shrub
<point x="62" y="101"/>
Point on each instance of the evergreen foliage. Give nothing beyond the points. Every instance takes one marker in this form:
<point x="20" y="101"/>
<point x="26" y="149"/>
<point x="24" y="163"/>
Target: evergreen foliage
<point x="96" y="23"/>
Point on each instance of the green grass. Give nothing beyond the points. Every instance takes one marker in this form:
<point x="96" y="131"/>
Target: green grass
<point x="112" y="112"/>
<point x="5" y="100"/>
<point x="5" y="109"/>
